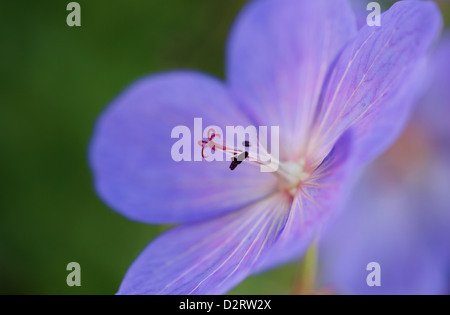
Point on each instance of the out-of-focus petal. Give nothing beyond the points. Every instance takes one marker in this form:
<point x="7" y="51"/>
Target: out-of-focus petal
<point x="433" y="186"/>
<point x="210" y="257"/>
<point x="131" y="158"/>
<point x="372" y="87"/>
<point x="381" y="225"/>
<point x="316" y="201"/>
<point x="434" y="108"/>
<point x="278" y="55"/>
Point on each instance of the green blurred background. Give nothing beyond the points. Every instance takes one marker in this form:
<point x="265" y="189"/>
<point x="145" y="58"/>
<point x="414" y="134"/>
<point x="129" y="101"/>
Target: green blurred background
<point x="56" y="80"/>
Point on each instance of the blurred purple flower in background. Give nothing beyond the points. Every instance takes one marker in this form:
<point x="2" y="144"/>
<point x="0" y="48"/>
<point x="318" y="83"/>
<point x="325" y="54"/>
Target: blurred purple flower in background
<point x="399" y="216"/>
<point x="340" y="98"/>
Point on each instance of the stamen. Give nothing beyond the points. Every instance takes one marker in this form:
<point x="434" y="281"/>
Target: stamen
<point x="238" y="160"/>
<point x="291" y="173"/>
<point x="237" y="155"/>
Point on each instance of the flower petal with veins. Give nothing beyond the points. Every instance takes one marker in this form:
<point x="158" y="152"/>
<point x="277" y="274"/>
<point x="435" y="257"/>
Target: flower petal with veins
<point x="209" y="257"/>
<point x="131" y="152"/>
<point x="369" y="88"/>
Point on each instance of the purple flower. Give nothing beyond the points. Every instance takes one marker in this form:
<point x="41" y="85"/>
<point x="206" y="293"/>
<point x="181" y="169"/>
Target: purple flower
<point x="340" y="98"/>
<point x="399" y="215"/>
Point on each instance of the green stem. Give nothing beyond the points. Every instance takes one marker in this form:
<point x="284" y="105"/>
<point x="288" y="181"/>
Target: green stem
<point x="306" y="279"/>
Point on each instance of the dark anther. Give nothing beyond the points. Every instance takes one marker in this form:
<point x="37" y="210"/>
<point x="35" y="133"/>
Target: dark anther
<point x="238" y="160"/>
<point x="246" y="143"/>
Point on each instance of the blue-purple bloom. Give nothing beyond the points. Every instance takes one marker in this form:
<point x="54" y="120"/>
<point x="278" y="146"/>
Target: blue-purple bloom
<point x="340" y="98"/>
<point x="399" y="215"/>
